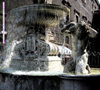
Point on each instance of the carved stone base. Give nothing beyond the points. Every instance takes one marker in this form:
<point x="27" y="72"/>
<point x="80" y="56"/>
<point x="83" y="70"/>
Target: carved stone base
<point x="51" y="64"/>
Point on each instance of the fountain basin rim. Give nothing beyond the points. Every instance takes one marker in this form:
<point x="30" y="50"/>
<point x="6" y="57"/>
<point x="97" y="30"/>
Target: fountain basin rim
<point x="48" y="73"/>
<point x="47" y="15"/>
<point x="33" y="73"/>
<point x="44" y="6"/>
<point x="64" y="76"/>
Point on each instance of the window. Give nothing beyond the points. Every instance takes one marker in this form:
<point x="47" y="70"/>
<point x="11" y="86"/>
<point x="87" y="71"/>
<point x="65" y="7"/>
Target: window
<point x="76" y="16"/>
<point x="42" y="1"/>
<point x="84" y="18"/>
<point x="48" y="1"/>
<point x="67" y="40"/>
<point x="84" y="1"/>
<point x="68" y="16"/>
<point x="89" y="23"/>
<point x="77" y="19"/>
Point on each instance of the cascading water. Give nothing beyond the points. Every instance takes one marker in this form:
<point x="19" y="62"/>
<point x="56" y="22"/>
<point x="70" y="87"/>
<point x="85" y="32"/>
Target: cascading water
<point x="27" y="46"/>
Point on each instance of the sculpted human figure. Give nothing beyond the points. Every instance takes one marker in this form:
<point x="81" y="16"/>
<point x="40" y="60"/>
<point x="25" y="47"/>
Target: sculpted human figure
<point x="80" y="35"/>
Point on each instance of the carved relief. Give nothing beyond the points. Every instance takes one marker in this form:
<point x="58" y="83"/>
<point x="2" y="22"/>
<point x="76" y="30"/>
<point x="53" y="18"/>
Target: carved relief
<point x="31" y="47"/>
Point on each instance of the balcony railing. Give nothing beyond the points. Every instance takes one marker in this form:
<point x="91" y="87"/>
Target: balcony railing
<point x="94" y="59"/>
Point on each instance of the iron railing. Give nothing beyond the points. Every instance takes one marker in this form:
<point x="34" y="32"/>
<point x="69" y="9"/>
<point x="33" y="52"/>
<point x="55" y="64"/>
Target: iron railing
<point x="94" y="59"/>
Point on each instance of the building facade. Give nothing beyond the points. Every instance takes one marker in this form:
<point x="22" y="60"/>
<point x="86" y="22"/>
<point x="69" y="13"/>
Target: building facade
<point x="79" y="10"/>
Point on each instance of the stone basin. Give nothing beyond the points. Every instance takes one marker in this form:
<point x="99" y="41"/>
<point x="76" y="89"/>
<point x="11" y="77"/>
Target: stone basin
<point x="49" y="81"/>
<point x="43" y="14"/>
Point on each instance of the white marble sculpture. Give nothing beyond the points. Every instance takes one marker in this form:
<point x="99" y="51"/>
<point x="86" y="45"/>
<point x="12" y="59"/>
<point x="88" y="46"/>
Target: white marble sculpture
<point x="80" y="35"/>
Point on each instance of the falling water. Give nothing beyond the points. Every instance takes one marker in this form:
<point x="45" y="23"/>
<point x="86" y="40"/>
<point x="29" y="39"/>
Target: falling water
<point x="30" y="53"/>
<point x="25" y="52"/>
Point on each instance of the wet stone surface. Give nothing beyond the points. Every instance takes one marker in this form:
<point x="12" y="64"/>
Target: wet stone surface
<point x="26" y="47"/>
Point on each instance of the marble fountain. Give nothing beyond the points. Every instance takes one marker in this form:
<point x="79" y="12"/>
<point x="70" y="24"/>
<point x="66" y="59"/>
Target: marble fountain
<point x="27" y="48"/>
<point x="29" y="61"/>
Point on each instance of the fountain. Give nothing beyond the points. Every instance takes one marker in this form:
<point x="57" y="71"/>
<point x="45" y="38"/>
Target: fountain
<point x="28" y="52"/>
<point x="30" y="61"/>
<point x="27" y="46"/>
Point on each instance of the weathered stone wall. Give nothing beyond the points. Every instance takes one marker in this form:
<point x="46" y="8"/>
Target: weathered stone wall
<point x="13" y="82"/>
<point x="79" y="83"/>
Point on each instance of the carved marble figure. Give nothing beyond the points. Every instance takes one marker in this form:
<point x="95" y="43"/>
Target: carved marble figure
<point x="80" y="36"/>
